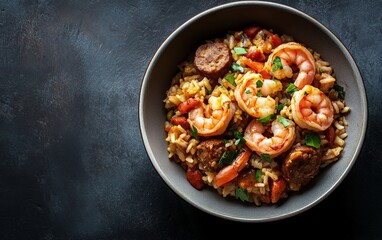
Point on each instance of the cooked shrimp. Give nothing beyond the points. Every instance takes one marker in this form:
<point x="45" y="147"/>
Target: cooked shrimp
<point x="289" y="54"/>
<point x="230" y="172"/>
<point x="253" y="95"/>
<point x="283" y="137"/>
<point x="213" y="118"/>
<point x="312" y="109"/>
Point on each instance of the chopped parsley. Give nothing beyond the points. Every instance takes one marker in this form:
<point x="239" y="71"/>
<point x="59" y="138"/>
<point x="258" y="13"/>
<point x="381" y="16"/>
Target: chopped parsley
<point x="228" y="157"/>
<point x="340" y="90"/>
<point x="313" y="139"/>
<point x="283" y="120"/>
<point x="228" y="106"/>
<point x="259" y="83"/>
<point x="247" y="91"/>
<point x="265" y="120"/>
<point x="258" y="175"/>
<point x="231" y="79"/>
<point x="239" y="137"/>
<point x="237" y="67"/>
<point x="259" y="94"/>
<point x="277" y="64"/>
<point x="194" y="132"/>
<point x="240" y="50"/>
<point x="280" y="107"/>
<point x="266" y="157"/>
<point x="241" y="194"/>
<point x="291" y="89"/>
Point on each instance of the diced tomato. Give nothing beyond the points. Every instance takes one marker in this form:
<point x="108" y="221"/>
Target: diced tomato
<point x="255" y="55"/>
<point x="188" y="105"/>
<point x="265" y="74"/>
<point x="194" y="176"/>
<point x="278" y="189"/>
<point x="252" y="31"/>
<point x="257" y="66"/>
<point x="276" y="40"/>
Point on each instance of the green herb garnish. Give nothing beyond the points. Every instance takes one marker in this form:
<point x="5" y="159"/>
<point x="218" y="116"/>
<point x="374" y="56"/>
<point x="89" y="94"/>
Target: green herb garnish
<point x="194" y="132"/>
<point x="266" y="157"/>
<point x="239" y="137"/>
<point x="280" y="107"/>
<point x="313" y="139"/>
<point x="265" y="120"/>
<point x="258" y="175"/>
<point x="277" y="64"/>
<point x="259" y="94"/>
<point x="340" y="90"/>
<point x="259" y="83"/>
<point x="240" y="50"/>
<point x="228" y="157"/>
<point x="247" y="91"/>
<point x="283" y="120"/>
<point x="291" y="89"/>
<point x="241" y="194"/>
<point x="231" y="79"/>
<point x="237" y="67"/>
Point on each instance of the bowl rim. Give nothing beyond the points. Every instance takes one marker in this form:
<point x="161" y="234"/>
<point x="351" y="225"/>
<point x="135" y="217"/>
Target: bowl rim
<point x="329" y="33"/>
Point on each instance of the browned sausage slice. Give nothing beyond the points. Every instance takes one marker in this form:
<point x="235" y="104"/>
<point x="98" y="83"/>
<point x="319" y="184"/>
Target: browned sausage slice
<point x="300" y="166"/>
<point x="213" y="59"/>
<point x="209" y="152"/>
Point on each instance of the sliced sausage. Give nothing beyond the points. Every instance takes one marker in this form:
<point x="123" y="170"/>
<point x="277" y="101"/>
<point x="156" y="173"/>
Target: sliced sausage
<point x="182" y="121"/>
<point x="213" y="59"/>
<point x="209" y="153"/>
<point x="188" y="105"/>
<point x="195" y="178"/>
<point x="300" y="166"/>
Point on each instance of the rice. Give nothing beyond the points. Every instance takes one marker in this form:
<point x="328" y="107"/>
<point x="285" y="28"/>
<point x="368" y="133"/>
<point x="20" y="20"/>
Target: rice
<point x="255" y="180"/>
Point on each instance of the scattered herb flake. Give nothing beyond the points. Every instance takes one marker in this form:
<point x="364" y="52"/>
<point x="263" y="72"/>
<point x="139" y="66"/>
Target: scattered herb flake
<point x="228" y="106"/>
<point x="237" y="67"/>
<point x="319" y="70"/>
<point x="266" y="157"/>
<point x="291" y="89"/>
<point x="258" y="175"/>
<point x="240" y="50"/>
<point x="228" y="157"/>
<point x="313" y="139"/>
<point x="209" y="91"/>
<point x="194" y="132"/>
<point x="277" y="64"/>
<point x="283" y="120"/>
<point x="259" y="94"/>
<point x="247" y="91"/>
<point x="231" y="79"/>
<point x="241" y="194"/>
<point x="259" y="83"/>
<point x="280" y="107"/>
<point x="239" y="137"/>
<point x="340" y="90"/>
<point x="265" y="120"/>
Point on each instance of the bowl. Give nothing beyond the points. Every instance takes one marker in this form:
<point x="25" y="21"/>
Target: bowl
<point x="213" y="23"/>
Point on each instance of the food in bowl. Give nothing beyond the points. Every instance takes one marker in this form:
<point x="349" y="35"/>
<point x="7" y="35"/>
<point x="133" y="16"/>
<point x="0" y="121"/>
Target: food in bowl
<point x="255" y="115"/>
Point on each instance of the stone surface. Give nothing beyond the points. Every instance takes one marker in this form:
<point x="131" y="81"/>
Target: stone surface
<point x="72" y="163"/>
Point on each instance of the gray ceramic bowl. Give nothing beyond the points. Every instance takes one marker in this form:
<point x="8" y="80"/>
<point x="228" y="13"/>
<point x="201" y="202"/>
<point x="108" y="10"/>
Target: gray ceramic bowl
<point x="213" y="23"/>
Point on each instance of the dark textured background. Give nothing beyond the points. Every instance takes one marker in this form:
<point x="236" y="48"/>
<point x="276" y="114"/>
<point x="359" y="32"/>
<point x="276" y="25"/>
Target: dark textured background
<point x="72" y="163"/>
